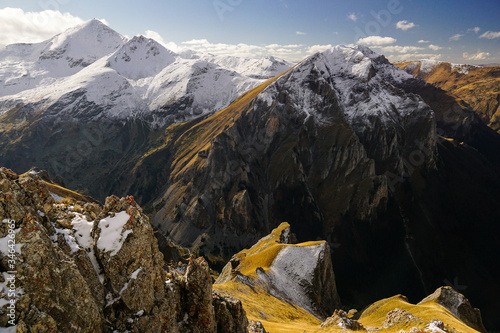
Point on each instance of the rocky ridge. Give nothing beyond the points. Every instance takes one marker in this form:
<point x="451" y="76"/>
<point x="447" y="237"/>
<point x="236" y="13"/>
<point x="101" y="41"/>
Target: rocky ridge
<point x="478" y="86"/>
<point x="91" y="268"/>
<point x="300" y="274"/>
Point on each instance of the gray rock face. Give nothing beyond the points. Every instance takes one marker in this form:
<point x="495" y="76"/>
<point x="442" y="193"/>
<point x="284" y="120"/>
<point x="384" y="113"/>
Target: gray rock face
<point x="457" y="304"/>
<point x="90" y="268"/>
<point x="300" y="274"/>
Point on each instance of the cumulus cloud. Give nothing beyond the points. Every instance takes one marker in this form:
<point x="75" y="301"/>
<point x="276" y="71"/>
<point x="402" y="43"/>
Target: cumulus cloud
<point x="434" y="47"/>
<point x="405" y="25"/>
<point x="157" y="37"/>
<point x="400" y="49"/>
<point x="377" y="40"/>
<point x="413" y="56"/>
<point x="290" y="52"/>
<point x="353" y="17"/>
<point x="490" y="35"/>
<point x="456" y="37"/>
<point x="18" y="26"/>
<point x="475" y="30"/>
<point x="423" y="41"/>
<point x="476" y="56"/>
<point x="318" y="48"/>
<point x="300" y="33"/>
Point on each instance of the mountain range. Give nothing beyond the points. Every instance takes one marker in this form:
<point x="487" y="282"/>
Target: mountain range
<point x="400" y="176"/>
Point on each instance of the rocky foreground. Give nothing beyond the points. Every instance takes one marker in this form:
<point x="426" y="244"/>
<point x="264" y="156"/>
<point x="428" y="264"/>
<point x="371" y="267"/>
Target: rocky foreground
<point x="83" y="267"/>
<point x="80" y="266"/>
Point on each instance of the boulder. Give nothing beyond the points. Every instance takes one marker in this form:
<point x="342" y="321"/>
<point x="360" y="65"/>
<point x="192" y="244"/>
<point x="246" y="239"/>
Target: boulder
<point x="457" y="304"/>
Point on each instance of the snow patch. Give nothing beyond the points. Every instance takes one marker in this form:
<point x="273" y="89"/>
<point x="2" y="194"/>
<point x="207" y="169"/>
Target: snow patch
<point x="83" y="234"/>
<point x="7" y="292"/>
<point x="56" y="197"/>
<point x="112" y="235"/>
<point x="292" y="273"/>
<point x="4" y="243"/>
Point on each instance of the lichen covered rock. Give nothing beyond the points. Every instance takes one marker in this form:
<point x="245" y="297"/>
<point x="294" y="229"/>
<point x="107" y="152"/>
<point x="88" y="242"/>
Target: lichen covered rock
<point x="89" y="268"/>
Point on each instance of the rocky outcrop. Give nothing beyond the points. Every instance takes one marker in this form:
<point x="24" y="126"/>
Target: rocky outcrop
<point x="80" y="266"/>
<point x="399" y="317"/>
<point x="256" y="327"/>
<point x="299" y="274"/>
<point x="341" y="319"/>
<point x="230" y="315"/>
<point x="457" y="304"/>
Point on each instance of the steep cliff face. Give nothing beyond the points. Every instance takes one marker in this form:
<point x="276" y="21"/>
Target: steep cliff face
<point x="300" y="274"/>
<point x="90" y="268"/>
<point x="301" y="150"/>
<point x="279" y="282"/>
<point x="343" y="147"/>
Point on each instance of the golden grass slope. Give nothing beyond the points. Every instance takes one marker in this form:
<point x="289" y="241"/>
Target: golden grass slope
<point x="280" y="316"/>
<point x="477" y="86"/>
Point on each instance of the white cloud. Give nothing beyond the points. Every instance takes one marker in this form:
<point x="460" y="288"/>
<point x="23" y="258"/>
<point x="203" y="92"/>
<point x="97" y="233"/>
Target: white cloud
<point x="300" y="33"/>
<point x="456" y="37"/>
<point x="290" y="52"/>
<point x="414" y="56"/>
<point x="405" y="25"/>
<point x="157" y="37"/>
<point x="434" y="47"/>
<point x="475" y="29"/>
<point x="400" y="49"/>
<point x="476" y="56"/>
<point x="377" y="40"/>
<point x="490" y="35"/>
<point x="18" y="26"/>
<point x="423" y="41"/>
<point x="318" y="48"/>
<point x="352" y="17"/>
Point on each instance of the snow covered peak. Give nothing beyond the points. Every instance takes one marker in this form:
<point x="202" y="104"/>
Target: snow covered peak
<point x="364" y="81"/>
<point x="86" y="43"/>
<point x="141" y="57"/>
<point x="357" y="61"/>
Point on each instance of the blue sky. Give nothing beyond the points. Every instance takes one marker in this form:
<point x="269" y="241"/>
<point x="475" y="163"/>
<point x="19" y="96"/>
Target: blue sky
<point x="458" y="31"/>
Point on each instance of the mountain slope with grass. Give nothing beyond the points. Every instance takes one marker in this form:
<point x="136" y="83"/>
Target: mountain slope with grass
<point x="478" y="86"/>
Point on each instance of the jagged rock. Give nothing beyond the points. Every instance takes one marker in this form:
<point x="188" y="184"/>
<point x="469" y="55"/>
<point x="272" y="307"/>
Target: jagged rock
<point x="300" y="274"/>
<point x="230" y="315"/>
<point x="52" y="286"/>
<point x="457" y="304"/>
<point x="256" y="327"/>
<point x="196" y="298"/>
<point x="90" y="268"/>
<point x="436" y="326"/>
<point x="398" y="317"/>
<point x="341" y="318"/>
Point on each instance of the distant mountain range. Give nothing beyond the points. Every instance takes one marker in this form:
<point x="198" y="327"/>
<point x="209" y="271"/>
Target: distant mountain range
<point x="91" y="71"/>
<point x="479" y="86"/>
<point x="400" y="177"/>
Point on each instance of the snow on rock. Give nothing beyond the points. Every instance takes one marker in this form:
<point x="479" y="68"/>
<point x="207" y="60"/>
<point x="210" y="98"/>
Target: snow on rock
<point x="361" y="79"/>
<point x="130" y="58"/>
<point x="6" y="243"/>
<point x="436" y="326"/>
<point x="291" y="274"/>
<point x="90" y="70"/>
<point x="83" y="234"/>
<point x="112" y="235"/>
<point x="27" y="66"/>
<point x="427" y="65"/>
